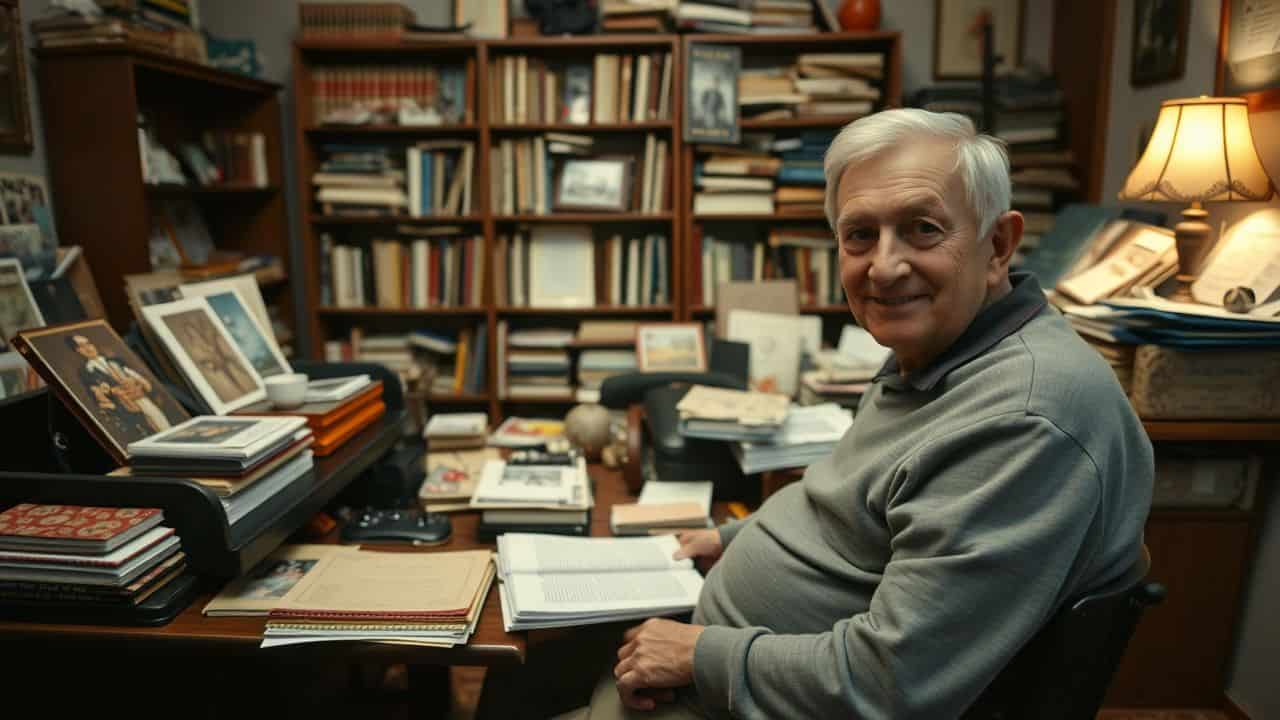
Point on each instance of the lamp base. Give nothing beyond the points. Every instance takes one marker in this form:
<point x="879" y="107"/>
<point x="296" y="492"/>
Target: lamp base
<point x="1193" y="238"/>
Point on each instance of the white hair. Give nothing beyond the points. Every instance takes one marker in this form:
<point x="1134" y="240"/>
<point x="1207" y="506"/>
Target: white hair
<point x="981" y="160"/>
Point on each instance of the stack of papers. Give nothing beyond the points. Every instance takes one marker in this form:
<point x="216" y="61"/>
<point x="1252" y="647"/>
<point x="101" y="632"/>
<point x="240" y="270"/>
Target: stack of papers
<point x="456" y="431"/>
<point x="664" y="506"/>
<point x="533" y="498"/>
<point x="550" y="581"/>
<point x="720" y="414"/>
<point x="451" y="478"/>
<point x="431" y="599"/>
<point x="809" y="434"/>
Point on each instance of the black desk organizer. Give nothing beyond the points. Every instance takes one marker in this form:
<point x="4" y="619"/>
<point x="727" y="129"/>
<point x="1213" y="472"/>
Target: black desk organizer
<point x="48" y="457"/>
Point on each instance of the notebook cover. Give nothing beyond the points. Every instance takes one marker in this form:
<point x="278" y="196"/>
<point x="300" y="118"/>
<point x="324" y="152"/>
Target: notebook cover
<point x="91" y="528"/>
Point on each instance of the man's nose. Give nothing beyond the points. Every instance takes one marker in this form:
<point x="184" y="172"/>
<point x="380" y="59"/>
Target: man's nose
<point x="888" y="264"/>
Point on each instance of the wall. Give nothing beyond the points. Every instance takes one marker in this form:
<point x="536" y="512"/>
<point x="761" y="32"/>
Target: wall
<point x="1251" y="683"/>
<point x="33" y="164"/>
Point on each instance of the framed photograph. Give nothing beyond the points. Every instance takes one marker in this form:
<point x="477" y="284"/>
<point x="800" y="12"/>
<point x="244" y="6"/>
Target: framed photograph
<point x="1159" y="41"/>
<point x="104" y="384"/>
<point x="957" y="36"/>
<point x="246" y="285"/>
<point x="670" y="347"/>
<point x="1249" y="52"/>
<point x="18" y="308"/>
<point x="15" y="114"/>
<point x="250" y="337"/>
<point x="594" y="185"/>
<point x="562" y="266"/>
<point x="711" y="103"/>
<point x="206" y="354"/>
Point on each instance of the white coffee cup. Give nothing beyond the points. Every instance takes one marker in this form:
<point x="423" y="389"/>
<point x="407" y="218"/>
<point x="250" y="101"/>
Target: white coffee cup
<point x="286" y="391"/>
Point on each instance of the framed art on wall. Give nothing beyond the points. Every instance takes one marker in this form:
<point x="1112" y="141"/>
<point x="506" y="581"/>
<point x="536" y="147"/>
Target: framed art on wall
<point x="957" y="36"/>
<point x="15" y="114"/>
<point x="670" y="347"/>
<point x="1159" y="51"/>
<point x="1249" y="52"/>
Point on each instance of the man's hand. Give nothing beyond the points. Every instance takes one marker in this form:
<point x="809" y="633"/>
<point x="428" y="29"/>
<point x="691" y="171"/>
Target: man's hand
<point x="658" y="655"/>
<point x="701" y="545"/>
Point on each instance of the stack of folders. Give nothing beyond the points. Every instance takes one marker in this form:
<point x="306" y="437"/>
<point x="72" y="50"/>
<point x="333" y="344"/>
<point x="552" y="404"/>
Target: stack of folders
<point x="809" y="434"/>
<point x="246" y="461"/>
<point x="430" y="599"/>
<point x="85" y="557"/>
<point x="664" y="507"/>
<point x="722" y="414"/>
<point x="336" y="410"/>
<point x="552" y="581"/>
<point x="533" y="498"/>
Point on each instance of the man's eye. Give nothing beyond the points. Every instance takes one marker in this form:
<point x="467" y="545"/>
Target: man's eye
<point x="861" y="236"/>
<point x="924" y="227"/>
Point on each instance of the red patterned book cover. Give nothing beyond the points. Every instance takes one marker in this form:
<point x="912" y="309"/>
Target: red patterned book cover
<point x="72" y="527"/>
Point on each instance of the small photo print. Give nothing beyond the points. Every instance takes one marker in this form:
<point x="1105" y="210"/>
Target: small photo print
<point x="277" y="578"/>
<point x="208" y="432"/>
<point x="531" y="477"/>
<point x="670" y="347"/>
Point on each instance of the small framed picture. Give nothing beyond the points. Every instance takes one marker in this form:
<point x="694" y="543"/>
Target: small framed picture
<point x="1249" y="52"/>
<point x="15" y="113"/>
<point x="1159" y="41"/>
<point x="670" y="347"/>
<point x="18" y="308"/>
<point x="711" y="106"/>
<point x="957" y="36"/>
<point x="594" y="185"/>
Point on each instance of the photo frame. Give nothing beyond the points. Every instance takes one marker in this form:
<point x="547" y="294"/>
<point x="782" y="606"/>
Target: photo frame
<point x="670" y="347"/>
<point x="711" y="94"/>
<point x="957" y="36"/>
<point x="109" y="388"/>
<point x="562" y="266"/>
<point x="588" y="184"/>
<point x="246" y="284"/>
<point x="1159" y="50"/>
<point x="252" y="339"/>
<point x="18" y="307"/>
<point x="1249" y="54"/>
<point x="206" y="354"/>
<point x="15" y="112"/>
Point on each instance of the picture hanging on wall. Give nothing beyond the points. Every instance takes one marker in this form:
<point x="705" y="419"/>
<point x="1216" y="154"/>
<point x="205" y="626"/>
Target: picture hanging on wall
<point x="1249" y="52"/>
<point x="15" y="113"/>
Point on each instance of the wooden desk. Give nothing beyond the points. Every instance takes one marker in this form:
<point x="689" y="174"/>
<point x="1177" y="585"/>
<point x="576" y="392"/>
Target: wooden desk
<point x="228" y="637"/>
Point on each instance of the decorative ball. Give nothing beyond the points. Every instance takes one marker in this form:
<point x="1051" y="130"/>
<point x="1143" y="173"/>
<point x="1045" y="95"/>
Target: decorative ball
<point x="587" y="427"/>
<point x="1239" y="299"/>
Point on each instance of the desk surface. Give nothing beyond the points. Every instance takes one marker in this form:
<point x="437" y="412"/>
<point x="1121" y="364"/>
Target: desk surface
<point x="491" y="645"/>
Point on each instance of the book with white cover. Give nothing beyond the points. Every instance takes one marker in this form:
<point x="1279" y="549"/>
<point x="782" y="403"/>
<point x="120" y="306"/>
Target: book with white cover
<point x="457" y="424"/>
<point x="532" y="486"/>
<point x="809" y="434"/>
<point x="553" y="581"/>
<point x="333" y="389"/>
<point x="217" y="437"/>
<point x="775" y="348"/>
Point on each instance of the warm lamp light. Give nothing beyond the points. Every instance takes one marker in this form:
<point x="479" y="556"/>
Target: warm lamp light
<point x="1200" y="151"/>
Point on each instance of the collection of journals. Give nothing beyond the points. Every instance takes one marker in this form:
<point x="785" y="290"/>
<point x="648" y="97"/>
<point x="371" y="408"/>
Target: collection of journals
<point x="69" y="556"/>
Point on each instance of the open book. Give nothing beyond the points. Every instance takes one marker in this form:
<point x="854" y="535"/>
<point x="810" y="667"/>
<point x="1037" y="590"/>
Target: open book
<point x="550" y="581"/>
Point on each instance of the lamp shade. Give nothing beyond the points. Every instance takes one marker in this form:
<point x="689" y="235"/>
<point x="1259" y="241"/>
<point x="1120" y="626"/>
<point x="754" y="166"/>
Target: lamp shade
<point x="1200" y="151"/>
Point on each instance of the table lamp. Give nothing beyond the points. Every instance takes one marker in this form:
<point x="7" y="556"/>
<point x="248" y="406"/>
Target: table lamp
<point x="1201" y="150"/>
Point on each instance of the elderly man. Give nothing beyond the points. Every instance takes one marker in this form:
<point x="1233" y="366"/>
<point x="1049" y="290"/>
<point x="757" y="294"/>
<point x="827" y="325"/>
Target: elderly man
<point x="993" y="470"/>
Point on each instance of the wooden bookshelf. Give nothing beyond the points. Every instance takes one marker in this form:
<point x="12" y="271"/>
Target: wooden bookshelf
<point x="676" y="222"/>
<point x="91" y="98"/>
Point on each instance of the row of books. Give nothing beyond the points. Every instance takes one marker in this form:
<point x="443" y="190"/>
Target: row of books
<point x="808" y="255"/>
<point x="422" y="273"/>
<point x="566" y="172"/>
<point x="747" y="16"/>
<point x="767" y="174"/>
<point x="565" y="266"/>
<point x="815" y="84"/>
<point x="414" y="94"/>
<point x="344" y="21"/>
<point x="149" y="28"/>
<point x="614" y="88"/>
<point x="235" y="158"/>
<point x="434" y="179"/>
<point x="424" y="360"/>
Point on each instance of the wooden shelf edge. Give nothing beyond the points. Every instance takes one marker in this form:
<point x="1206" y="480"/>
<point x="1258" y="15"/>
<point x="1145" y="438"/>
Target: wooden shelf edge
<point x="585" y="218"/>
<point x="1213" y="430"/>
<point x="594" y="310"/>
<point x="163" y="62"/>
<point x="390" y="129"/>
<point x="572" y="128"/>
<point x="753" y="217"/>
<point x="385" y="45"/>
<point x="809" y="38"/>
<point x="582" y="41"/>
<point x="391" y="312"/>
<point x="394" y="219"/>
<point x="812" y="121"/>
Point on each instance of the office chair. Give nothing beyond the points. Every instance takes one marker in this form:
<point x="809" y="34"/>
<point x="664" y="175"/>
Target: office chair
<point x="1065" y="669"/>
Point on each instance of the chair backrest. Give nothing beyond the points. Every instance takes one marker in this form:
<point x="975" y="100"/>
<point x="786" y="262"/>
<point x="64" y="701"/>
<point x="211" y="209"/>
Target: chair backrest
<point x="1065" y="669"/>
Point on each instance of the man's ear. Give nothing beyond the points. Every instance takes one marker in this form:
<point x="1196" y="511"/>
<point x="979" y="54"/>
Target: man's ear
<point x="1004" y="240"/>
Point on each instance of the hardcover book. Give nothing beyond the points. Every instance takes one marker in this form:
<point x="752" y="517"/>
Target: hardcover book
<point x="73" y="528"/>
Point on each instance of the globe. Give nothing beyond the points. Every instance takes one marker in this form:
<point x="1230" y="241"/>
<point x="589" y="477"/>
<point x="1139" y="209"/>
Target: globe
<point x="587" y="427"/>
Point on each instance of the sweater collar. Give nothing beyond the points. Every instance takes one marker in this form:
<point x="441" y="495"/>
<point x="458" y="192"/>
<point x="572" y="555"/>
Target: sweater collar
<point x="993" y="323"/>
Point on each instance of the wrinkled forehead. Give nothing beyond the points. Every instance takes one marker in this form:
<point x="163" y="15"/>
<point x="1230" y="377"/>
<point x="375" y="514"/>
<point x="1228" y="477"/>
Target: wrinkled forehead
<point x="911" y="175"/>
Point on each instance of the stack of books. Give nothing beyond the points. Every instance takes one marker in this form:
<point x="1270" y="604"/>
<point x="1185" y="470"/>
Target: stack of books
<point x="72" y="556"/>
<point x="336" y="410"/>
<point x="809" y="434"/>
<point x="758" y="17"/>
<point x="766" y="174"/>
<point x="596" y="366"/>
<point x="75" y="30"/>
<point x="391" y="94"/>
<point x="451" y="477"/>
<point x="360" y="180"/>
<point x="664" y="507"/>
<point x="456" y="431"/>
<point x="722" y="414"/>
<point x="545" y="498"/>
<point x="817" y="84"/>
<point x="537" y="364"/>
<point x="550" y="582"/>
<point x="246" y="461"/>
<point x="426" y="599"/>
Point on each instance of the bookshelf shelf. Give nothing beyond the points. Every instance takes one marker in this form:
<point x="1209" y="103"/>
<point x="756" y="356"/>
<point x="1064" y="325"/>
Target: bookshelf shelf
<point x="394" y="219"/>
<point x="561" y="218"/>
<point x="595" y="310"/>
<point x="833" y="121"/>
<point x="741" y="217"/>
<point x="580" y="128"/>
<point x="394" y="312"/>
<point x="157" y="65"/>
<point x="459" y="45"/>
<point x="380" y="130"/>
<point x="580" y="42"/>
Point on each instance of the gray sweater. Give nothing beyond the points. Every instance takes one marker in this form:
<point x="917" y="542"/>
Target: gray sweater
<point x="966" y="503"/>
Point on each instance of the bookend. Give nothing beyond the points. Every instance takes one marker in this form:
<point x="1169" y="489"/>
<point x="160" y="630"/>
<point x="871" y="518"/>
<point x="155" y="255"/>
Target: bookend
<point x="50" y="458"/>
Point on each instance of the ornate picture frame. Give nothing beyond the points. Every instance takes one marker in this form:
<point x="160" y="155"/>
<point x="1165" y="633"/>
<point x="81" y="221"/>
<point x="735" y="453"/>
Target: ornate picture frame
<point x="15" y="110"/>
<point x="1248" y="63"/>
